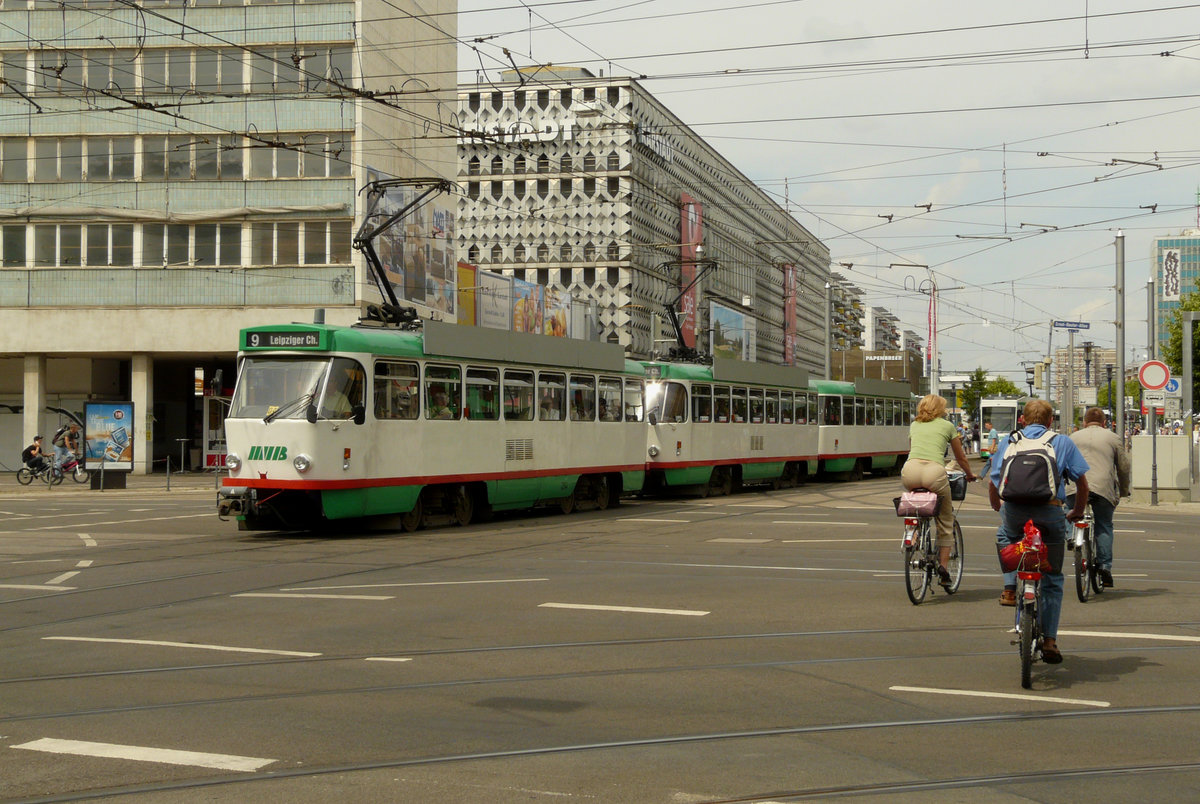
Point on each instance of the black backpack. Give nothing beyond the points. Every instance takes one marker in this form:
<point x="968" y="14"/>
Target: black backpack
<point x="1029" y="474"/>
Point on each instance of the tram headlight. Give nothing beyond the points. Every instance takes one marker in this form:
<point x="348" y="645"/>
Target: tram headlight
<point x="653" y="451"/>
<point x="233" y="462"/>
<point x="302" y="463"/>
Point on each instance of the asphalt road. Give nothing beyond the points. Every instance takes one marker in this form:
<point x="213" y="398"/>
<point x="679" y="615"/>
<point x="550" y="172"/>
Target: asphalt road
<point x="757" y="647"/>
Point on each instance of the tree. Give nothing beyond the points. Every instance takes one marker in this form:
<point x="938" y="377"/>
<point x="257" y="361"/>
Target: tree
<point x="1002" y="386"/>
<point x="1172" y="350"/>
<point x="1133" y="391"/>
<point x="973" y="391"/>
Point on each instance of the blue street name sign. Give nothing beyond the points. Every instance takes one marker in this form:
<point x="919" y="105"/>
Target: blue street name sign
<point x="1072" y="324"/>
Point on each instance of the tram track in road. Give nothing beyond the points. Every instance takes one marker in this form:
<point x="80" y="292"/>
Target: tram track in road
<point x="269" y="776"/>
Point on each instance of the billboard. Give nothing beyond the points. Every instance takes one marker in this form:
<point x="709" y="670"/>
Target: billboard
<point x="467" y="314"/>
<point x="691" y="235"/>
<point x="526" y="306"/>
<point x="492" y="296"/>
<point x="732" y="333"/>
<point x="1169" y="258"/>
<point x="108" y="435"/>
<point x="557" y="316"/>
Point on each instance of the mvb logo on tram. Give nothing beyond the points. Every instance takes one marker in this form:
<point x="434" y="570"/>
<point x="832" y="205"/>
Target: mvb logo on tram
<point x="259" y="453"/>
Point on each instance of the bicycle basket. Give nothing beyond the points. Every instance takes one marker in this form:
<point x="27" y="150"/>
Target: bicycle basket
<point x="916" y="503"/>
<point x="958" y="486"/>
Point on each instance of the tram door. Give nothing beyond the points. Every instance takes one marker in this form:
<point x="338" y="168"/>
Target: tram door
<point x="215" y="409"/>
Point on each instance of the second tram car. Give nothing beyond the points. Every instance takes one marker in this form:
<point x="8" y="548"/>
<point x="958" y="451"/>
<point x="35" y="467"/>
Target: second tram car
<point x="332" y="423"/>
<point x="715" y="428"/>
<point x="863" y="426"/>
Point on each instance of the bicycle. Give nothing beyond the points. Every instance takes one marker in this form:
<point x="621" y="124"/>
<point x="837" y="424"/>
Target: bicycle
<point x="1083" y="540"/>
<point x="48" y="474"/>
<point x="920" y="552"/>
<point x="1028" y="558"/>
<point x="73" y="466"/>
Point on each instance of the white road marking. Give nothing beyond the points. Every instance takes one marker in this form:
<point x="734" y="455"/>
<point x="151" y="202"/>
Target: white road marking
<point x="1161" y="541"/>
<point x="87" y="562"/>
<point x="1124" y="530"/>
<point x="633" y="609"/>
<point x="88" y="541"/>
<point x="66" y="576"/>
<point x="1120" y="635"/>
<point x="1008" y="695"/>
<point x="759" y="505"/>
<point x="420" y="583"/>
<point x="138" y="510"/>
<point x="813" y="522"/>
<point x="731" y="540"/>
<point x="193" y="645"/>
<point x="39" y="588"/>
<point x="632" y="519"/>
<point x="125" y="522"/>
<point x="140" y="753"/>
<point x="385" y="659"/>
<point x="319" y="597"/>
<point x="992" y="528"/>
<point x="820" y="541"/>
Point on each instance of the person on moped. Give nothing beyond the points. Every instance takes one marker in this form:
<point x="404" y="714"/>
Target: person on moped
<point x="929" y="435"/>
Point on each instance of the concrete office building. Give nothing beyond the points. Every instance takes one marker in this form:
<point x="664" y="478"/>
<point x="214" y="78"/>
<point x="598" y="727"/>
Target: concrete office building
<point x="173" y="172"/>
<point x="1175" y="272"/>
<point x="591" y="187"/>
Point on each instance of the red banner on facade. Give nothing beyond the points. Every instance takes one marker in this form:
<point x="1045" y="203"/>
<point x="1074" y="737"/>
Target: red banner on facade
<point x="789" y="315"/>
<point x="691" y="235"/>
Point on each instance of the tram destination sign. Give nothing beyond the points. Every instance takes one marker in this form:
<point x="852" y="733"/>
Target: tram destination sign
<point x="275" y="339"/>
<point x="1072" y="325"/>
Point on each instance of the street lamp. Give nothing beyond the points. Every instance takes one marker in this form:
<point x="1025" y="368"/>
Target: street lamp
<point x="1087" y="363"/>
<point x="1108" y="367"/>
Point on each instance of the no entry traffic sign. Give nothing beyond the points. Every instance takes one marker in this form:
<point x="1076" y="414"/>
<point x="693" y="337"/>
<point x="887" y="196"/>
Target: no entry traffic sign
<point x="1154" y="375"/>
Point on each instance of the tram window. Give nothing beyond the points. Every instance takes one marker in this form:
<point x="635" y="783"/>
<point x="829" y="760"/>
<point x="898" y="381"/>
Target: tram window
<point x="812" y="409"/>
<point x="756" y="405"/>
<point x="552" y="393"/>
<point x="397" y="390"/>
<point x="518" y="396"/>
<point x="343" y="390"/>
<point x="483" y="386"/>
<point x="786" y="408"/>
<point x="702" y="403"/>
<point x="610" y="399"/>
<point x="860" y="414"/>
<point x="908" y="413"/>
<point x="831" y="410"/>
<point x="879" y="417"/>
<point x="443" y="392"/>
<point x="772" y="407"/>
<point x="721" y="403"/>
<point x="633" y="400"/>
<point x="867" y="408"/>
<point x="266" y="385"/>
<point x="739" y="409"/>
<point x="583" y="398"/>
<point x="890" y="407"/>
<point x="675" y="403"/>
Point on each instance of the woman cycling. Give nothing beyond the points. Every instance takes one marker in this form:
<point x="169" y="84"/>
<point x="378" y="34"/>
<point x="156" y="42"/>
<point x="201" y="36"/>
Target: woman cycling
<point x="928" y="436"/>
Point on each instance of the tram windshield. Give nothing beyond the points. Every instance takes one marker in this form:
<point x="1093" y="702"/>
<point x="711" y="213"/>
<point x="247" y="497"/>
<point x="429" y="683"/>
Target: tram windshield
<point x="1002" y="417"/>
<point x="667" y="400"/>
<point x="283" y="387"/>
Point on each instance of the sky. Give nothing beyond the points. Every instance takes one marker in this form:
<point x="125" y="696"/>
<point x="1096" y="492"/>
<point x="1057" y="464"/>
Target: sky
<point x="1034" y="132"/>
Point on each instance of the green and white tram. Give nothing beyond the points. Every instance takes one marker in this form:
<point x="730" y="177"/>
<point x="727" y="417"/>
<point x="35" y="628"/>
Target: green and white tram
<point x="337" y="423"/>
<point x="716" y="427"/>
<point x="863" y="426"/>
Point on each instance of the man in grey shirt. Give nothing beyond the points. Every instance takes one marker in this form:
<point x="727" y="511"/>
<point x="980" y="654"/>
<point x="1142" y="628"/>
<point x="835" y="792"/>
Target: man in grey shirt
<point x="1108" y="480"/>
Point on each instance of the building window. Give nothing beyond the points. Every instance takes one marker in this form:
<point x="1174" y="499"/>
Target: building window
<point x="59" y="72"/>
<point x="497" y="101"/>
<point x="543" y="98"/>
<point x="57" y="245"/>
<point x="473" y="255"/>
<point x="589" y="162"/>
<point x="518" y="164"/>
<point x="543" y="164"/>
<point x="497" y="254"/>
<point x="473" y="101"/>
<point x="614" y="161"/>
<point x="109" y="244"/>
<point x="497" y="166"/>
<point x="564" y="97"/>
<point x="14" y="161"/>
<point x="58" y="159"/>
<point x="589" y="187"/>
<point x="614" y="96"/>
<point x="519" y="253"/>
<point x="12" y="246"/>
<point x="565" y="164"/>
<point x="473" y="190"/>
<point x="473" y="166"/>
<point x="519" y="99"/>
<point x="614" y="187"/>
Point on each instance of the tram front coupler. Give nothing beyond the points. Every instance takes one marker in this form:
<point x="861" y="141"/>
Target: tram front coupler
<point x="236" y="501"/>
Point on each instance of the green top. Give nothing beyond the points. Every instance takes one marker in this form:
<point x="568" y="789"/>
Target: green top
<point x="928" y="440"/>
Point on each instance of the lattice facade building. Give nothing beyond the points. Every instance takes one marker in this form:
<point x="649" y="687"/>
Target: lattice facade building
<point x="589" y="185"/>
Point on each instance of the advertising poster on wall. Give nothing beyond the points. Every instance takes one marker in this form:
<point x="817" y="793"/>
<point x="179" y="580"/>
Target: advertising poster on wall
<point x="492" y="300"/>
<point x="526" y="306"/>
<point x="466" y="294"/>
<point x="558" y="313"/>
<point x="732" y="333"/>
<point x="1170" y="274"/>
<point x="108" y="435"/>
<point x="789" y="315"/>
<point x="691" y="235"/>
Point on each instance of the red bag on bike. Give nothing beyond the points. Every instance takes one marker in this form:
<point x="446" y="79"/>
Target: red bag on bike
<point x="916" y="503"/>
<point x="1029" y="554"/>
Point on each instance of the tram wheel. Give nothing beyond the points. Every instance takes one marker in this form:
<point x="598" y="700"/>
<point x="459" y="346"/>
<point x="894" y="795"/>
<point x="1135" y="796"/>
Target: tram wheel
<point x="415" y="518"/>
<point x="600" y="492"/>
<point x="567" y="504"/>
<point x="463" y="506"/>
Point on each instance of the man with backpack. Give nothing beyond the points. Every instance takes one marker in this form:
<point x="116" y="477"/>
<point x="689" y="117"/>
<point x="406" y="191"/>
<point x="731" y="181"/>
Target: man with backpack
<point x="1026" y="482"/>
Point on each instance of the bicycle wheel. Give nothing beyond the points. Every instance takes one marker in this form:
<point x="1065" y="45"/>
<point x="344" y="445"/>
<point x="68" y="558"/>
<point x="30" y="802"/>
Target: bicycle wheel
<point x="1026" y="626"/>
<point x="1084" y="571"/>
<point x="1093" y="575"/>
<point x="54" y="477"/>
<point x="24" y="476"/>
<point x="955" y="563"/>
<point x="81" y="475"/>
<point x="916" y="569"/>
